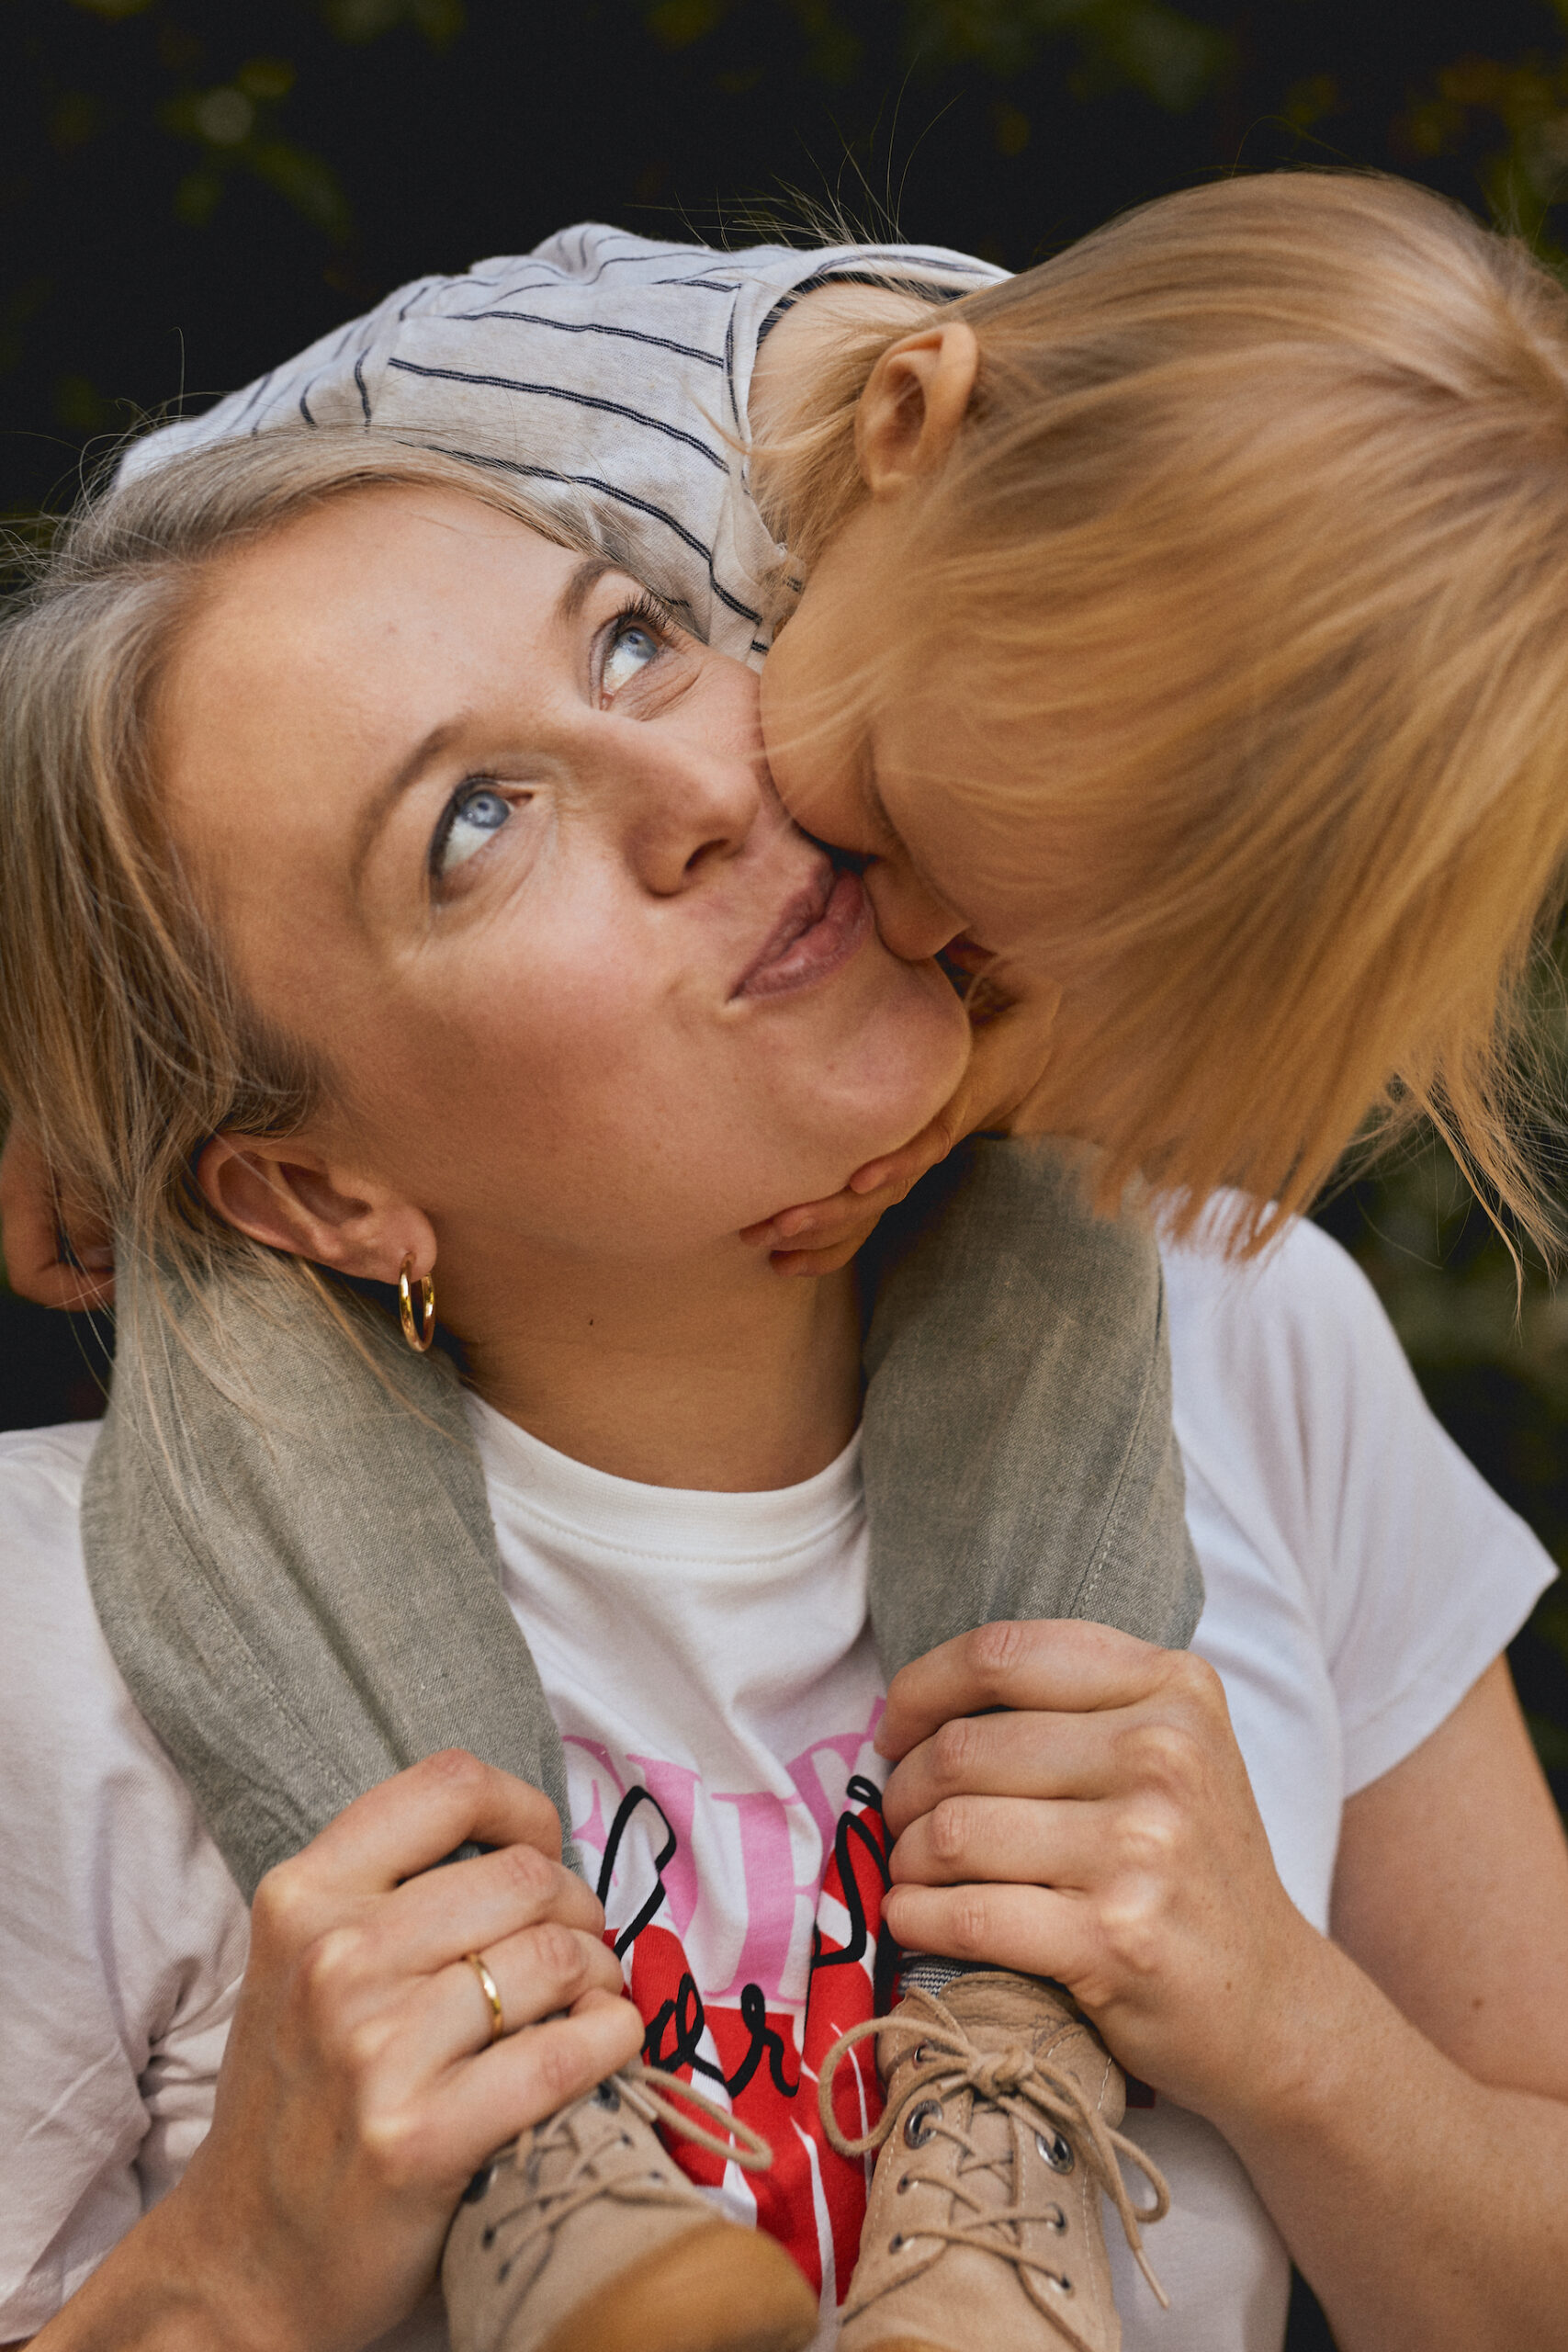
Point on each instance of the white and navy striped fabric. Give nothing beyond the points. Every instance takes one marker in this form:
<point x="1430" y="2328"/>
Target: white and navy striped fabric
<point x="609" y="373"/>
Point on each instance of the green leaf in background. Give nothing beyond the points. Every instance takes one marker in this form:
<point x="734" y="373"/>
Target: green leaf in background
<point x="1510" y="119"/>
<point x="676" y="24"/>
<point x="362" y="20"/>
<point x="234" y="123"/>
<point x="1169" y="56"/>
<point x="1550" y="1742"/>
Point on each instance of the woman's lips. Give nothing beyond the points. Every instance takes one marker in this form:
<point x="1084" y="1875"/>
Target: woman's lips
<point x="821" y="931"/>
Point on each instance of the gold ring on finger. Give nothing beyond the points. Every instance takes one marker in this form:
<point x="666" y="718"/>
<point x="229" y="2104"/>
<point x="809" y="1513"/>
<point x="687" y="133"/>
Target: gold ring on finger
<point x="493" y="1997"/>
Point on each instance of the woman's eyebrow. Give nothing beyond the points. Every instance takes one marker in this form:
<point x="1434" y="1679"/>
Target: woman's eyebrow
<point x="584" y="579"/>
<point x="387" y="795"/>
<point x="581" y="586"/>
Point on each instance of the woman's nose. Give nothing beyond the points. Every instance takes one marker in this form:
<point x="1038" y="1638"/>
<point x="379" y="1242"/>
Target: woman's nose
<point x="693" y="809"/>
<point x="913" y="922"/>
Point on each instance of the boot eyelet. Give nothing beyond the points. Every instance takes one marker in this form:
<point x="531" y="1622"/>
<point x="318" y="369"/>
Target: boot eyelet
<point x="905" y="2180"/>
<point x="1056" y="2152"/>
<point x="918" y="2123"/>
<point x="1064" y="2286"/>
<point x="895" y="2244"/>
<point x="478" y="2185"/>
<point x="921" y="2052"/>
<point x="606" y="2095"/>
<point x="1055" y="2218"/>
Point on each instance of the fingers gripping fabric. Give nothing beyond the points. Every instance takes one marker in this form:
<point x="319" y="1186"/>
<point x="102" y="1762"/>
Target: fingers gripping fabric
<point x="300" y="1583"/>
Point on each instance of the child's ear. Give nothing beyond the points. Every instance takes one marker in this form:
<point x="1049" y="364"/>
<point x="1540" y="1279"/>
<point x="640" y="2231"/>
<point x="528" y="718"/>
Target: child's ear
<point x="282" y="1192"/>
<point x="917" y="398"/>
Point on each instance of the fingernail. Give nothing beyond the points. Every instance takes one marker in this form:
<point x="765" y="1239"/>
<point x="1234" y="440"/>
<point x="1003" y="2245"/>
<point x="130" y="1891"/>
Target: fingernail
<point x="95" y="1261"/>
<point x="866" y="1180"/>
<point x="792" y="1223"/>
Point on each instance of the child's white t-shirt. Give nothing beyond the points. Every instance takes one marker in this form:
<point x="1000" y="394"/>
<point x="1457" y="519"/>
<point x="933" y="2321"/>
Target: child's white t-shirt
<point x="710" y="1651"/>
<point x="607" y="375"/>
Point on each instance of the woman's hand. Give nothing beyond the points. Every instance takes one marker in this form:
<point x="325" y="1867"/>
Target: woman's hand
<point x="1011" y="1017"/>
<point x="360" y="2092"/>
<point x="1105" y="1834"/>
<point x="34" y="1216"/>
<point x="1102" y="1831"/>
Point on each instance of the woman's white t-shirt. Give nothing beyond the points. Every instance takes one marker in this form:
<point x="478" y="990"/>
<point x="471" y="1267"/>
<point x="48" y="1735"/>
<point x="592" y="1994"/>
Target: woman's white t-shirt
<point x="707" y="1659"/>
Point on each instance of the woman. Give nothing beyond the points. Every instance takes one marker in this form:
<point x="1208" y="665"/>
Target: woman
<point x="500" y="892"/>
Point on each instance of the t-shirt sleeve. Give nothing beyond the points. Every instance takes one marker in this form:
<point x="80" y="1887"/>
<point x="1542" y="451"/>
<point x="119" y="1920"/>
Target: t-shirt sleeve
<point x="1427" y="1566"/>
<point x="1417" y="1573"/>
<point x="594" y="374"/>
<point x="122" y="1937"/>
<point x="605" y="374"/>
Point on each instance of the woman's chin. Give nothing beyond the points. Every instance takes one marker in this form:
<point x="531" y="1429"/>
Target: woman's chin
<point x="901" y="1069"/>
<point x="881" y="1118"/>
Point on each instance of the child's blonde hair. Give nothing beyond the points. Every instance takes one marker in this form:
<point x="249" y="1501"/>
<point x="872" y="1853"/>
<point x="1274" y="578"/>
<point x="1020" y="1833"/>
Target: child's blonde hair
<point x="1249" y="572"/>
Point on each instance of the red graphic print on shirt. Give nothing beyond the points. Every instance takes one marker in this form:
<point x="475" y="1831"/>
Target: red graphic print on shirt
<point x="745" y="2039"/>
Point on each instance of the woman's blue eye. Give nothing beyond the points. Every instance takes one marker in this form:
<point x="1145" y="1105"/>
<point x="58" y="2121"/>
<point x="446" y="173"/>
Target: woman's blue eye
<point x="632" y="647"/>
<point x="471" y="822"/>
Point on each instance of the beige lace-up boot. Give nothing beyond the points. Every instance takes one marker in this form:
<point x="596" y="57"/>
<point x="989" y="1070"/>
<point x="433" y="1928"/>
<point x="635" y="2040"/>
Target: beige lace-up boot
<point x="584" y="2236"/>
<point x="998" y="2138"/>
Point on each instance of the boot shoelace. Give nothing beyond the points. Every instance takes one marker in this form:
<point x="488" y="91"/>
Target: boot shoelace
<point x="1037" y="2098"/>
<point x="656" y="2098"/>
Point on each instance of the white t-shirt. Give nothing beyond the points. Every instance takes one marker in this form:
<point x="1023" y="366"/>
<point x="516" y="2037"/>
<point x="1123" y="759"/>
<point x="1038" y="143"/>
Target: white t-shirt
<point x="710" y="1651"/>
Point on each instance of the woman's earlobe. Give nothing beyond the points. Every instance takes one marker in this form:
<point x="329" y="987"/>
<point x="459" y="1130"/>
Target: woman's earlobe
<point x="286" y="1195"/>
<point x="913" y="405"/>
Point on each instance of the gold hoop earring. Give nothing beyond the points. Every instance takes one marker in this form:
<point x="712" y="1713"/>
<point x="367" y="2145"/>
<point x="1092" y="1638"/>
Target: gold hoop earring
<point x="418" y="1336"/>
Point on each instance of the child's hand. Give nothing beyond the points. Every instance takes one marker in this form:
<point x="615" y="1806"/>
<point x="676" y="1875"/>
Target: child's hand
<point x="1101" y="1831"/>
<point x="1012" y="1018"/>
<point x="33" y="1211"/>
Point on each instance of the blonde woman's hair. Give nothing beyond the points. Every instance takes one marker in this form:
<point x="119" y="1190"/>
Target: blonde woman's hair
<point x="1248" y="577"/>
<point x="124" y="1041"/>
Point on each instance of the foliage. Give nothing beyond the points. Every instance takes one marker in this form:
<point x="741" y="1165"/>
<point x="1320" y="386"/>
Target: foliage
<point x="1511" y="117"/>
<point x="1167" y="55"/>
<point x="235" y="124"/>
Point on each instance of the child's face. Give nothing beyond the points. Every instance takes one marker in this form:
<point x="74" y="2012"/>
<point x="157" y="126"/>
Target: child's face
<point x="874" y="773"/>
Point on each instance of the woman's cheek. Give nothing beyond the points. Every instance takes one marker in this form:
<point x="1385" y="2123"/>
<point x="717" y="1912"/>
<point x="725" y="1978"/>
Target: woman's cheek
<point x="629" y="1118"/>
<point x="644" y="1151"/>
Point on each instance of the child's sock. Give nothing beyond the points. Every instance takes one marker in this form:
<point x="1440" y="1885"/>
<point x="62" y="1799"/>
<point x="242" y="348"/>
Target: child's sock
<point x="931" y="1973"/>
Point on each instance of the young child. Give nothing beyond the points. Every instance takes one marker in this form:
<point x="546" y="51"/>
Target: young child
<point x="1135" y="630"/>
<point x="1186" y="615"/>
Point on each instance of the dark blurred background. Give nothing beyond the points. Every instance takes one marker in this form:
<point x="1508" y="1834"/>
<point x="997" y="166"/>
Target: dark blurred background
<point x="191" y="190"/>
